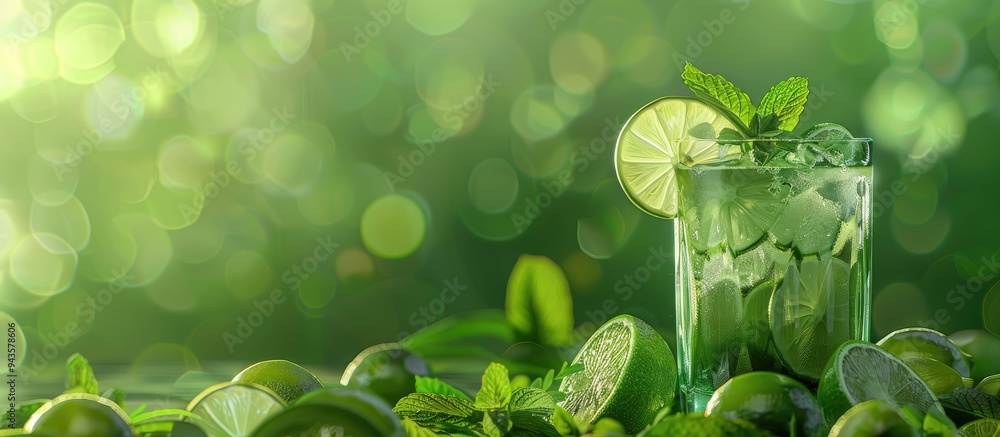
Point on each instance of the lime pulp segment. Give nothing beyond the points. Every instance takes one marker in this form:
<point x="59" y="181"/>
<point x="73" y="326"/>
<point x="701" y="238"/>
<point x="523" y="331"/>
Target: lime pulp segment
<point x="234" y="409"/>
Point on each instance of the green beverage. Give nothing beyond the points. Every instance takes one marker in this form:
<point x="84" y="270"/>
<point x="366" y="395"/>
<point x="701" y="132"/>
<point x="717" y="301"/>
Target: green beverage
<point x="772" y="228"/>
<point x="773" y="261"/>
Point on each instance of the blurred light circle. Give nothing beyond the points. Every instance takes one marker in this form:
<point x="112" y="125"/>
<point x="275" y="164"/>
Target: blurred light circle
<point x="578" y="61"/>
<point x="172" y="209"/>
<point x="896" y="23"/>
<point x="825" y="15"/>
<point x="289" y="27"/>
<point x="13" y="296"/>
<point x="991" y="310"/>
<point x="913" y="115"/>
<point x="435" y="17"/>
<point x="248" y="274"/>
<point x="945" y="49"/>
<point x="423" y="128"/>
<point x="613" y="23"/>
<point x="601" y="237"/>
<point x="354" y="265"/>
<point x="347" y="82"/>
<point x="9" y="10"/>
<point x="69" y="221"/>
<point x="153" y="250"/>
<point x="243" y="155"/>
<point x="12" y="74"/>
<point x="88" y="35"/>
<point x="571" y="105"/>
<point x="978" y="91"/>
<point x="128" y="176"/>
<point x="201" y="241"/>
<point x="227" y="94"/>
<point x="993" y="28"/>
<point x="10" y="229"/>
<point x="40" y="58"/>
<point x="642" y="59"/>
<point x="393" y="226"/>
<point x="293" y="163"/>
<point x="37" y="103"/>
<point x="450" y="72"/>
<point x="49" y="183"/>
<point x="545" y="159"/>
<point x="15" y="337"/>
<point x="922" y="238"/>
<point x="384" y="115"/>
<point x="317" y="291"/>
<point x="166" y="28"/>
<point x="332" y="199"/>
<point x="534" y="114"/>
<point x="582" y="271"/>
<point x="898" y="305"/>
<point x="493" y="185"/>
<point x="115" y="105"/>
<point x="184" y="163"/>
<point x="43" y="264"/>
<point x="86" y="77"/>
<point x="166" y="360"/>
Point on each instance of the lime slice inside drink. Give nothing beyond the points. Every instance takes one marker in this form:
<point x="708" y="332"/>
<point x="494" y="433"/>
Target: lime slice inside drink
<point x="653" y="142"/>
<point x="810" y="313"/>
<point x="860" y="371"/>
<point x="717" y="334"/>
<point x="735" y="207"/>
<point x="927" y="343"/>
<point x="629" y="374"/>
<point x="287" y="379"/>
<point x="810" y="223"/>
<point x="757" y="330"/>
<point x="234" y="409"/>
<point x="981" y="428"/>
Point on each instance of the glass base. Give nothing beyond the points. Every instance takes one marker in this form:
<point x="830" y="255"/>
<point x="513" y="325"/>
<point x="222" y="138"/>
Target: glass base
<point x="693" y="400"/>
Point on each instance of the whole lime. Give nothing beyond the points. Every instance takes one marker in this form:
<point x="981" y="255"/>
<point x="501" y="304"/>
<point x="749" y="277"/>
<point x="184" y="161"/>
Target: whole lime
<point x="80" y="415"/>
<point x="388" y="371"/>
<point x="287" y="379"/>
<point x="772" y="401"/>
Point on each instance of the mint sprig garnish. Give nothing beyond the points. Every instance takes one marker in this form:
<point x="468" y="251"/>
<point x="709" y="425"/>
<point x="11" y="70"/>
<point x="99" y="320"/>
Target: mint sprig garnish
<point x="786" y="100"/>
<point x="717" y="88"/>
<point x="498" y="410"/>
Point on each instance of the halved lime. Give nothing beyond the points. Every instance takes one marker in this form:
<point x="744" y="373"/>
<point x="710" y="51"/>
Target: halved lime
<point x="810" y="314"/>
<point x="287" y="379"/>
<point x="990" y="385"/>
<point x="735" y="207"/>
<point x="757" y="330"/>
<point x="653" y="142"/>
<point x="80" y="415"/>
<point x="629" y="374"/>
<point x="873" y="418"/>
<point x="234" y="409"/>
<point x="929" y="344"/>
<point x="772" y="401"/>
<point x="940" y="377"/>
<point x="334" y="412"/>
<point x="981" y="428"/>
<point x="860" y="371"/>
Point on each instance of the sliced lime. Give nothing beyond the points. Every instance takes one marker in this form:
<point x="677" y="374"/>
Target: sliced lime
<point x="981" y="428"/>
<point x="810" y="223"/>
<point x="334" y="412"/>
<point x="990" y="385"/>
<point x="763" y="262"/>
<point x="387" y="370"/>
<point x="940" y="377"/>
<point x="234" y="409"/>
<point x="757" y="330"/>
<point x="734" y="207"/>
<point x="873" y="418"/>
<point x="860" y="371"/>
<point x="717" y="330"/>
<point x="772" y="401"/>
<point x="80" y="415"/>
<point x="629" y="374"/>
<point x="653" y="142"/>
<point x="810" y="314"/>
<point x="827" y="131"/>
<point x="929" y="344"/>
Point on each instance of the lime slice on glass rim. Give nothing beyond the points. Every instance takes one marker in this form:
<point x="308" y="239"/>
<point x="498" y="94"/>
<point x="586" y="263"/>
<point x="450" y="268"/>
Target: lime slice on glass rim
<point x="809" y="314"/>
<point x="234" y="409"/>
<point x="655" y="140"/>
<point x="860" y="371"/>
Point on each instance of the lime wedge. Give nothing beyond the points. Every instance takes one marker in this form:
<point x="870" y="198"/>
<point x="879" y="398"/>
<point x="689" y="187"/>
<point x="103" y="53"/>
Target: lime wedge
<point x="860" y="371"/>
<point x="629" y="374"/>
<point x="874" y="417"/>
<point x="981" y="428"/>
<point x="79" y="415"/>
<point x="652" y="143"/>
<point x="929" y="344"/>
<point x="771" y="401"/>
<point x="234" y="409"/>
<point x="810" y="314"/>
<point x="990" y="385"/>
<point x="287" y="379"/>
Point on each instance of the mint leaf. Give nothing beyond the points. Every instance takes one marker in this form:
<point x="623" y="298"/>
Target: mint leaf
<point x="786" y="100"/>
<point x="727" y="134"/>
<point x="568" y="370"/>
<point x="24" y="410"/>
<point x="491" y="428"/>
<point x="973" y="402"/>
<point x="433" y="385"/>
<point x="565" y="423"/>
<point x="495" y="392"/>
<point x="531" y="402"/>
<point x="115" y="395"/>
<point x="414" y="430"/>
<point x="717" y="88"/>
<point x="703" y="131"/>
<point x="80" y="376"/>
<point x="539" y="301"/>
<point x="434" y="410"/>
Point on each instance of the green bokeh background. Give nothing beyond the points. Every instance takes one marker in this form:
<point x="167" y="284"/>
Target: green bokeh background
<point x="193" y="154"/>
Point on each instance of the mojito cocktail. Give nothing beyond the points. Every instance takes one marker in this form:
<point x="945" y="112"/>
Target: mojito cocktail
<point x="772" y="228"/>
<point x="773" y="261"/>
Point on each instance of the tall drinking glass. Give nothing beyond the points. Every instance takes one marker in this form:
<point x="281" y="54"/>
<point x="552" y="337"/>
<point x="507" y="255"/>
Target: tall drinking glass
<point x="773" y="259"/>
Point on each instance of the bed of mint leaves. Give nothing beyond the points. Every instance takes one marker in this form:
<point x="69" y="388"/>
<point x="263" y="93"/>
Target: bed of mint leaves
<point x="774" y="118"/>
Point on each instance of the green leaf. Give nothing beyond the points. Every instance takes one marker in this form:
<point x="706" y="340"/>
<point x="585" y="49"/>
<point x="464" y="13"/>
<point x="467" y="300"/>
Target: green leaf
<point x="608" y="427"/>
<point x="728" y="134"/>
<point x="115" y="395"/>
<point x="531" y="401"/>
<point x="491" y="428"/>
<point x="717" y="88"/>
<point x="565" y="423"/>
<point x="973" y="402"/>
<point x="433" y="385"/>
<point x="539" y="301"/>
<point x="787" y="99"/>
<point x="937" y="424"/>
<point x="434" y="410"/>
<point x="703" y="131"/>
<point x="80" y="376"/>
<point x="495" y="391"/>
<point x="154" y="427"/>
<point x="568" y="370"/>
<point x="24" y="410"/>
<point x="414" y="430"/>
<point x="137" y="412"/>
